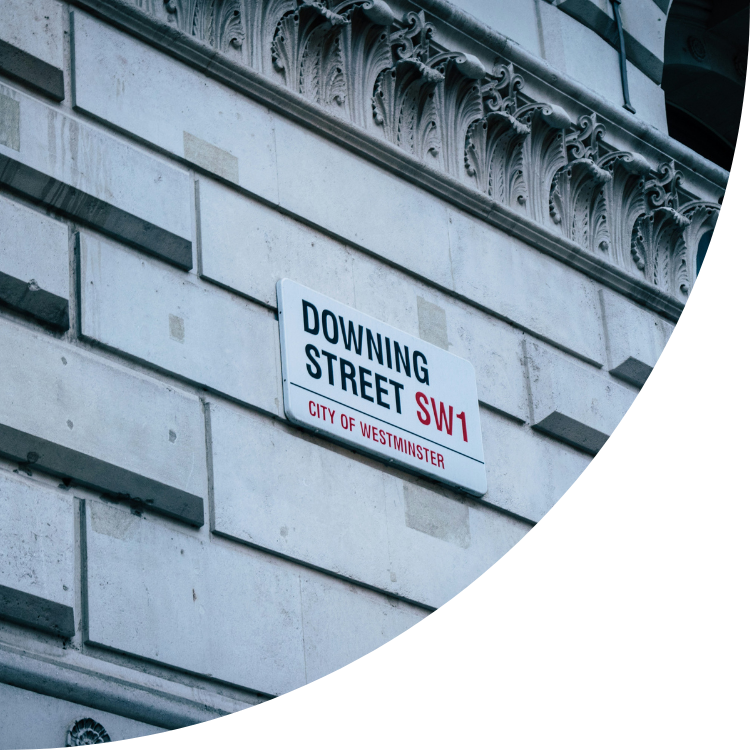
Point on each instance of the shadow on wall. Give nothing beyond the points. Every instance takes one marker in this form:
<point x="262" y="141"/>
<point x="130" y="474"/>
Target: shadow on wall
<point x="705" y="63"/>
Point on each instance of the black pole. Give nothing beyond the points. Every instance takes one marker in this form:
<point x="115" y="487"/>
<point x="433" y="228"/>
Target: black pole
<point x="623" y="57"/>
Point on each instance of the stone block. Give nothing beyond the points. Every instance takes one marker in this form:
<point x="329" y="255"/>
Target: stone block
<point x="645" y="22"/>
<point x="587" y="57"/>
<point x="522" y="285"/>
<point x="144" y="92"/>
<point x="260" y="245"/>
<point x="343" y="622"/>
<point x="34" y="264"/>
<point x="635" y="338"/>
<point x="84" y="173"/>
<point x="31" y="45"/>
<point x="515" y="19"/>
<point x="643" y="28"/>
<point x="573" y="402"/>
<point x="230" y="613"/>
<point x="277" y="488"/>
<point x="361" y="203"/>
<point x="42" y="721"/>
<point x="225" y="611"/>
<point x="527" y="473"/>
<point x="72" y="414"/>
<point x="197" y="331"/>
<point x="492" y="346"/>
<point x="439" y="544"/>
<point x="37" y="556"/>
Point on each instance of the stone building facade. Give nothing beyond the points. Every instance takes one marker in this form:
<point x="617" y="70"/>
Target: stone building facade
<point x="171" y="547"/>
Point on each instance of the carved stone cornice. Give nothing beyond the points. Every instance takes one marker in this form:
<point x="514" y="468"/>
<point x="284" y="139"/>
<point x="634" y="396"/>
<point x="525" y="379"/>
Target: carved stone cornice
<point x="380" y="87"/>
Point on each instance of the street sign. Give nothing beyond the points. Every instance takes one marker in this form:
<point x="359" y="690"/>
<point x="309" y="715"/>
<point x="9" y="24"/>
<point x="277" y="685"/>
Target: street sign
<point x="379" y="390"/>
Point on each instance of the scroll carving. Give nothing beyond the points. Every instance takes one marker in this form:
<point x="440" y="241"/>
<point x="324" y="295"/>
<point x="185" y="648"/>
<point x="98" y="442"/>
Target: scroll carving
<point x="493" y="153"/>
<point x="544" y="153"/>
<point x="388" y="75"/>
<point x="702" y="217"/>
<point x="216" y="22"/>
<point x="657" y="234"/>
<point x="404" y="97"/>
<point x="367" y="52"/>
<point x="306" y="49"/>
<point x="623" y="201"/>
<point x="458" y="103"/>
<point x="576" y="201"/>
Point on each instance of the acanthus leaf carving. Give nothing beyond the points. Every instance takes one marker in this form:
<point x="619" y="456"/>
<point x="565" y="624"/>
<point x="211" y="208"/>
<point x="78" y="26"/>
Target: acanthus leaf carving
<point x="624" y="200"/>
<point x="390" y="76"/>
<point x="544" y="153"/>
<point x="656" y="235"/>
<point x="216" y="22"/>
<point x="702" y="216"/>
<point x="458" y="100"/>
<point x="575" y="201"/>
<point x="306" y="49"/>
<point x="367" y="53"/>
<point x="404" y="98"/>
<point x="576" y="198"/>
<point x="493" y="148"/>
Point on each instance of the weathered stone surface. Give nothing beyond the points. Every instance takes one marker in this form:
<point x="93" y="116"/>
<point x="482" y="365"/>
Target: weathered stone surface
<point x="230" y="613"/>
<point x="492" y="346"/>
<point x="42" y="721"/>
<point x="37" y="556"/>
<point x="31" y="45"/>
<point x="635" y="338"/>
<point x="517" y="19"/>
<point x="524" y="286"/>
<point x="75" y="415"/>
<point x="361" y="203"/>
<point x="260" y="245"/>
<point x="527" y="473"/>
<point x="587" y="57"/>
<point x="178" y="110"/>
<point x="369" y="620"/>
<point x="199" y="332"/>
<point x="83" y="172"/>
<point x="572" y="402"/>
<point x="233" y="613"/>
<point x="280" y="490"/>
<point x="36" y="28"/>
<point x="34" y="263"/>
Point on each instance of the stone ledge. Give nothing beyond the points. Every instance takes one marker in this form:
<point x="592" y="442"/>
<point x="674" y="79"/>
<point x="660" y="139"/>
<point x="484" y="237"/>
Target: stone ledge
<point x="95" y="212"/>
<point x="36" y="612"/>
<point x="102" y="691"/>
<point x="31" y="71"/>
<point x="572" y="432"/>
<point x="38" y="303"/>
<point x="93" y="472"/>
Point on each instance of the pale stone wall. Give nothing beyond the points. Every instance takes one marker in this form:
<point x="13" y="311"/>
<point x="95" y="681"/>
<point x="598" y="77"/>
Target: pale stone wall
<point x="154" y="187"/>
<point x="579" y="38"/>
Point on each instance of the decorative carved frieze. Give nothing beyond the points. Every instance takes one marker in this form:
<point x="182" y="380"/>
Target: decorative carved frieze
<point x="387" y="75"/>
<point x="543" y="154"/>
<point x="217" y="22"/>
<point x="493" y="153"/>
<point x="403" y="102"/>
<point x="306" y="48"/>
<point x="576" y="199"/>
<point x="623" y="200"/>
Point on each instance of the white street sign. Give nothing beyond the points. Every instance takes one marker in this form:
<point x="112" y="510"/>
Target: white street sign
<point x="379" y="390"/>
